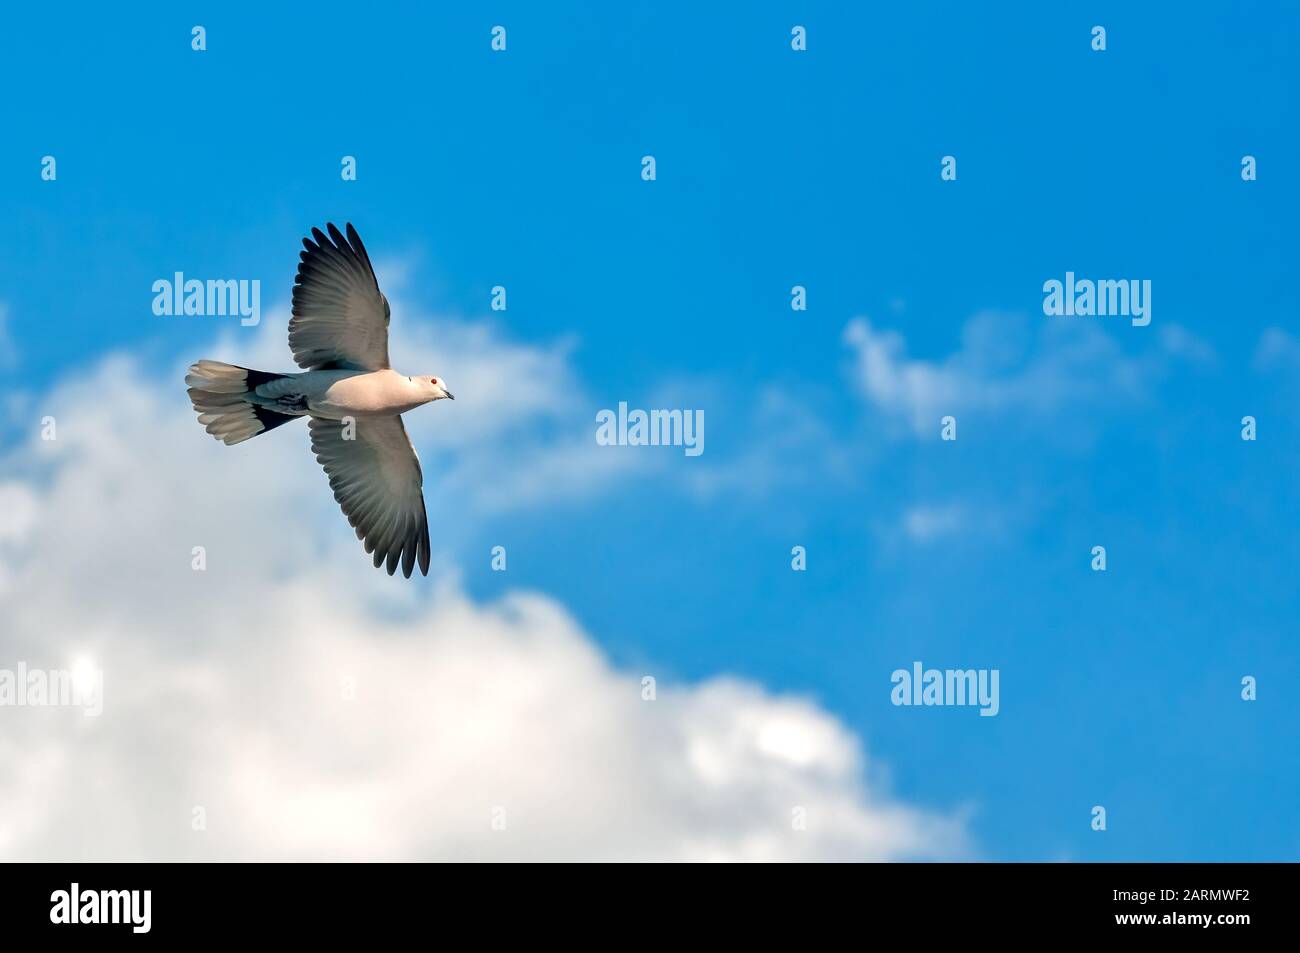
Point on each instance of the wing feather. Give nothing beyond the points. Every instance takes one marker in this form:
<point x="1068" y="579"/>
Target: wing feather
<point x="340" y="317"/>
<point x="377" y="482"/>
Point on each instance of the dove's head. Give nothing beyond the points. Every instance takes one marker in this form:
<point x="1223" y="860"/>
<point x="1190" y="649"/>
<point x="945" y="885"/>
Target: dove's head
<point x="435" y="388"/>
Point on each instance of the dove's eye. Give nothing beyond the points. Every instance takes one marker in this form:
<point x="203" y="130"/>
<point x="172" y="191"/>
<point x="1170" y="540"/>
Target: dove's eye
<point x="433" y="381"/>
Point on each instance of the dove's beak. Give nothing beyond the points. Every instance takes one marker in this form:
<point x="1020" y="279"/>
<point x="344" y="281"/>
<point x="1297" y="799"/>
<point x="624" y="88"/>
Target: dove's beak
<point x="450" y="395"/>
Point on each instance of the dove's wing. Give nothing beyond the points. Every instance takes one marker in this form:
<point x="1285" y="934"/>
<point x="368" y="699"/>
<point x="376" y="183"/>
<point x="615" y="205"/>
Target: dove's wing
<point x="376" y="478"/>
<point x="340" y="317"/>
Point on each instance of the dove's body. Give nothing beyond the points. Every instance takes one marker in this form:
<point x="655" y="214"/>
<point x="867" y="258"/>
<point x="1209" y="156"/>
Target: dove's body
<point x="336" y="394"/>
<point x="353" y="400"/>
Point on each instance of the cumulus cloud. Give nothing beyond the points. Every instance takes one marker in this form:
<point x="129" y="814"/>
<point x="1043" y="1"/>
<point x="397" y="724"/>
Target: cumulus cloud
<point x="1002" y="366"/>
<point x="313" y="708"/>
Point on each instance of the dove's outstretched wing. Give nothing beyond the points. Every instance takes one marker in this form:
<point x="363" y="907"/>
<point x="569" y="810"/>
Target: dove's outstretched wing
<point x="340" y="317"/>
<point x="377" y="481"/>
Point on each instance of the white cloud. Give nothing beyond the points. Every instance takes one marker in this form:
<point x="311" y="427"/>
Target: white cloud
<point x="8" y="350"/>
<point x="1003" y="366"/>
<point x="18" y="504"/>
<point x="924" y="523"/>
<point x="224" y="688"/>
<point x="1277" y="349"/>
<point x="1179" y="342"/>
<point x="777" y="445"/>
<point x="975" y="518"/>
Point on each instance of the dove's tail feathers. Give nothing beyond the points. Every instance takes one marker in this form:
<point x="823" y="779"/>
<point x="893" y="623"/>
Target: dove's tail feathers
<point x="221" y="395"/>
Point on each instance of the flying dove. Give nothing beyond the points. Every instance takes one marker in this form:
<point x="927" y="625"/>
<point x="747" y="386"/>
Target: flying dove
<point x="352" y="398"/>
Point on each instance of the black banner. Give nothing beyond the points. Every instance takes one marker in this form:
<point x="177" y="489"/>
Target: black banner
<point x="141" y="903"/>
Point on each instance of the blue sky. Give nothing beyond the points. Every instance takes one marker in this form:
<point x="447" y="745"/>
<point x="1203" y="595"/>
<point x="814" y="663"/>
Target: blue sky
<point x="778" y="168"/>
